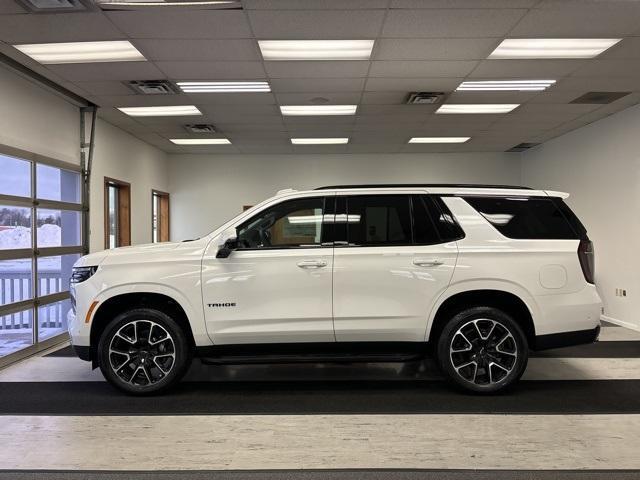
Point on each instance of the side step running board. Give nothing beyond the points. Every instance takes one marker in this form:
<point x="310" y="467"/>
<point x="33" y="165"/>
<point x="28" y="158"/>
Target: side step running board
<point x="316" y="358"/>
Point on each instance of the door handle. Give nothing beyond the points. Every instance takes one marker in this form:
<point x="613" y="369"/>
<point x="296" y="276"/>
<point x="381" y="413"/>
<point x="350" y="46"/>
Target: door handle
<point x="312" y="264"/>
<point x="427" y="262"/>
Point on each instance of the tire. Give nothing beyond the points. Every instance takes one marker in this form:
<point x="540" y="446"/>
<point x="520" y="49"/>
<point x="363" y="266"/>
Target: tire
<point x="143" y="352"/>
<point x="482" y="350"/>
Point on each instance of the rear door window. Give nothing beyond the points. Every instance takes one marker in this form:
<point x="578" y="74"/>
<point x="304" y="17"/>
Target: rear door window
<point x="525" y="217"/>
<point x="378" y="220"/>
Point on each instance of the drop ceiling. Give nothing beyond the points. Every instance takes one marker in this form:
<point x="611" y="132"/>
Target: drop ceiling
<point x="420" y="45"/>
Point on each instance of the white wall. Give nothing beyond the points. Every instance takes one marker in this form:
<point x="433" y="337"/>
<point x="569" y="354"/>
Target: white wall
<point x="123" y="157"/>
<point x="207" y="190"/>
<point x="599" y="164"/>
<point x="37" y="120"/>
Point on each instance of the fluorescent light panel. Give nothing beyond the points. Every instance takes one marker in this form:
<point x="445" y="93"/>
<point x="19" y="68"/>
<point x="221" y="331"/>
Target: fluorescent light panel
<point x="515" y="48"/>
<point x="297" y="110"/>
<point x="477" y="108"/>
<point x="319" y="141"/>
<point x="439" y="139"/>
<point x="505" y="86"/>
<point x="224" y="87"/>
<point x="201" y="141"/>
<point x="161" y="3"/>
<point x="82" y="52"/>
<point x="316" y="49"/>
<point x="168" y="111"/>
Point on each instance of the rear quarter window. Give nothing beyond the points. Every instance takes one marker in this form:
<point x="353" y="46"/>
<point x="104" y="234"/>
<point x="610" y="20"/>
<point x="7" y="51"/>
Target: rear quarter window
<point x="526" y="217"/>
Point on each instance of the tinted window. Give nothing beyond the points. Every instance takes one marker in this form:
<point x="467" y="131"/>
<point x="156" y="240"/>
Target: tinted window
<point x="294" y="223"/>
<point x="424" y="229"/>
<point x="524" y="217"/>
<point x="378" y="220"/>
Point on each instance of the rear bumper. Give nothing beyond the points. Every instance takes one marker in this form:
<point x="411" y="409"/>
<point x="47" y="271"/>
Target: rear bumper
<point x="566" y="339"/>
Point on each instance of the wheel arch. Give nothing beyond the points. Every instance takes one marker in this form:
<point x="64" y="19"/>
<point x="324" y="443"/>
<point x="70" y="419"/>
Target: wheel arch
<point x="119" y="303"/>
<point x="506" y="300"/>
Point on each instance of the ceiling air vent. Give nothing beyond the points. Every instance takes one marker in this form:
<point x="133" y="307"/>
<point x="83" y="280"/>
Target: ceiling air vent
<point x="599" y="98"/>
<point x="521" y="147"/>
<point x="424" y="98"/>
<point x="153" y="87"/>
<point x="53" y="6"/>
<point x="200" y="128"/>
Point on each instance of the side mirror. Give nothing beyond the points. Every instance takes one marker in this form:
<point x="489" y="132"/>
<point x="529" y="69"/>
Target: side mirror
<point x="227" y="244"/>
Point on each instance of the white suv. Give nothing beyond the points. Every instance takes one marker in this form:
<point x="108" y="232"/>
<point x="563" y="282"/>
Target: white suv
<point x="475" y="275"/>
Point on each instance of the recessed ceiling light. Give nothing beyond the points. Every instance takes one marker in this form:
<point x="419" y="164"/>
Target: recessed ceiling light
<point x="552" y="47"/>
<point x="439" y="139"/>
<point x="505" y="85"/>
<point x="201" y="141"/>
<point x="82" y="52"/>
<point x="316" y="49"/>
<point x="168" y="111"/>
<point x="319" y="141"/>
<point x="224" y="87"/>
<point x="318" y="109"/>
<point x="477" y="108"/>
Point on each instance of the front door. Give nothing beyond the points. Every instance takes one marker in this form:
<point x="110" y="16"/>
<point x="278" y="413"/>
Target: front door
<point x="276" y="287"/>
<point x="390" y="267"/>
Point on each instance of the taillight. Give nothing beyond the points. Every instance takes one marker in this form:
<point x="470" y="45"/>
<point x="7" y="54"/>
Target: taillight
<point x="587" y="260"/>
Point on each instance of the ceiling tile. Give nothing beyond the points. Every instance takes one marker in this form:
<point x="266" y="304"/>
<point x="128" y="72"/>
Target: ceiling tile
<point x="313" y="85"/>
<point x="88" y="72"/>
<point x="589" y="19"/>
<point x="316" y="24"/>
<point x="320" y="120"/>
<point x="227" y="117"/>
<point x="412" y="84"/>
<point x="317" y="4"/>
<point x="212" y="70"/>
<point x="384" y="98"/>
<point x="372" y="148"/>
<point x="194" y="50"/>
<point x="434" y="48"/>
<point x="105" y="88"/>
<point x="627" y="48"/>
<point x="10" y="7"/>
<point x="61" y="27"/>
<point x="491" y="97"/>
<point x="328" y="69"/>
<point x="598" y="84"/>
<point x="249" y="111"/>
<point x="408" y="69"/>
<point x="233" y="98"/>
<point x="463" y="3"/>
<point x="409" y="110"/>
<point x="531" y="69"/>
<point x="182" y="23"/>
<point x="609" y="68"/>
<point x="242" y="127"/>
<point x="415" y="119"/>
<point x="320" y="148"/>
<point x="450" y="23"/>
<point x="334" y="98"/>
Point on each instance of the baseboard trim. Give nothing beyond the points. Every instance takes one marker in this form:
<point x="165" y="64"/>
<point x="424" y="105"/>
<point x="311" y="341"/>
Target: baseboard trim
<point x="622" y="323"/>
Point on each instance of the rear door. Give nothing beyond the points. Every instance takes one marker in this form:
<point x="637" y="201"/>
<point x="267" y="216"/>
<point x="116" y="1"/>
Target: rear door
<point x="390" y="265"/>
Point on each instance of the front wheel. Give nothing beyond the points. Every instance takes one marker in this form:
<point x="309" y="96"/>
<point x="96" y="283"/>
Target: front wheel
<point x="482" y="350"/>
<point x="143" y="351"/>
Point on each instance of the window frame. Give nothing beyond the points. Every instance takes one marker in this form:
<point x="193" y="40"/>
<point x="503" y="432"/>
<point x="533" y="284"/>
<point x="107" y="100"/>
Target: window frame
<point x="157" y="194"/>
<point x="326" y="200"/>
<point x="34" y="253"/>
<point x="123" y="222"/>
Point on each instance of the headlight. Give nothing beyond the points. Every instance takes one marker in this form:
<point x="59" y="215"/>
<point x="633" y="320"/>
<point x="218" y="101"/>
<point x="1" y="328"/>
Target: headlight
<point x="80" y="274"/>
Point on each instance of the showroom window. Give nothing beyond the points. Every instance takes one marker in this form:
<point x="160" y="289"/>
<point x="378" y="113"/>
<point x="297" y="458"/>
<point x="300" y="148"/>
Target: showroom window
<point x="294" y="223"/>
<point x="117" y="213"/>
<point x="41" y="218"/>
<point x="159" y="216"/>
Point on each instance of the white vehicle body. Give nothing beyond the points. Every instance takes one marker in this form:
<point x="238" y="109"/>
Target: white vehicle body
<point x="329" y="293"/>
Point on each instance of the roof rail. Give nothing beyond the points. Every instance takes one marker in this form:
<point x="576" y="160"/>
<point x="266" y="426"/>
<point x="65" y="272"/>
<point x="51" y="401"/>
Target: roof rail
<point x="421" y="185"/>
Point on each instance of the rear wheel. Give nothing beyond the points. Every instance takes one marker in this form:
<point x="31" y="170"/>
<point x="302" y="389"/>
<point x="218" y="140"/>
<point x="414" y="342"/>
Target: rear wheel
<point x="482" y="350"/>
<point x="143" y="351"/>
